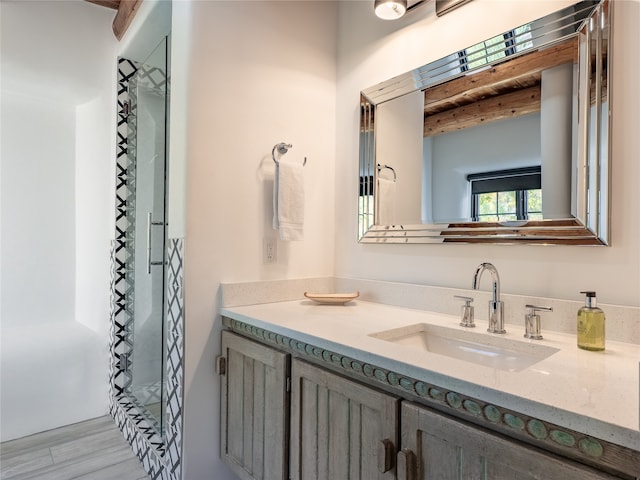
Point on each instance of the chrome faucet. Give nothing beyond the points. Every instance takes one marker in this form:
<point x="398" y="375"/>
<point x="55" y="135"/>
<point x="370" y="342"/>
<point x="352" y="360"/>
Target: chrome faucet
<point x="496" y="307"/>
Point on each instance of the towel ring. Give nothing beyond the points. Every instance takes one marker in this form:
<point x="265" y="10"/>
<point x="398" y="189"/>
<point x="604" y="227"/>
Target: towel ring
<point x="380" y="167"/>
<point x="282" y="149"/>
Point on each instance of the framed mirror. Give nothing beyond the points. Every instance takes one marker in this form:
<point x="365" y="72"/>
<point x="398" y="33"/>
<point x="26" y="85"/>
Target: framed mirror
<point x="506" y="141"/>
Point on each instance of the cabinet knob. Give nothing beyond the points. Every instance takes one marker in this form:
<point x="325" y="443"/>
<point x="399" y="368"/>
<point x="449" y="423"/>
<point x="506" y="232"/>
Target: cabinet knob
<point x="385" y="455"/>
<point x="406" y="465"/>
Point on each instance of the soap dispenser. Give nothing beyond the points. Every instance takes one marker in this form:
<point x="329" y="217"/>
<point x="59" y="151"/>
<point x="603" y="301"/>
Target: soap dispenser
<point x="591" y="324"/>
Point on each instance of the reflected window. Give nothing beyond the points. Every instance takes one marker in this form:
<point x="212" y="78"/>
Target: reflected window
<point x="506" y="195"/>
<point x="495" y="49"/>
<point x="365" y="204"/>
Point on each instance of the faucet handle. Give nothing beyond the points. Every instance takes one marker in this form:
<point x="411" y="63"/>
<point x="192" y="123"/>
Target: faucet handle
<point x="466" y="312"/>
<point x="532" y="322"/>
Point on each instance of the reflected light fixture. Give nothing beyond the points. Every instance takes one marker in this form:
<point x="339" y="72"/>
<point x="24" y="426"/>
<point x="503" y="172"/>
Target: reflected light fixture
<point x="390" y="9"/>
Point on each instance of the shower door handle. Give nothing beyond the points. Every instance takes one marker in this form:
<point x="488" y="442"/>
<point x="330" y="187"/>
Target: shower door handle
<point x="151" y="223"/>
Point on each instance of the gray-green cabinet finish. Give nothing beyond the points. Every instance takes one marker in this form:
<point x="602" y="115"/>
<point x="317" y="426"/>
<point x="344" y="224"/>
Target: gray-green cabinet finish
<point x="330" y="427"/>
<point x="254" y="409"/>
<point x="340" y="429"/>
<point x="435" y="446"/>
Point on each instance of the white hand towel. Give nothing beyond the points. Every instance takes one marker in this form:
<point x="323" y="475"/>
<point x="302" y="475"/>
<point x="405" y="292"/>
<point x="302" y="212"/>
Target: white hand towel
<point x="288" y="201"/>
<point x="385" y="201"/>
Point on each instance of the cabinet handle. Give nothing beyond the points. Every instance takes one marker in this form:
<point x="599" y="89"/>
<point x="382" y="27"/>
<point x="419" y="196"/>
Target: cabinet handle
<point x="221" y="365"/>
<point x="385" y="455"/>
<point x="406" y="465"/>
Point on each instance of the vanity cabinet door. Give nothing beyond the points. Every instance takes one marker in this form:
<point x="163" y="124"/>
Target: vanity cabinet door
<point x="435" y="446"/>
<point x="254" y="408"/>
<point x="340" y="429"/>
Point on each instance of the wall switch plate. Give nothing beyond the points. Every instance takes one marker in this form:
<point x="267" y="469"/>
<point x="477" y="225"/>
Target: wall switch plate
<point x="269" y="250"/>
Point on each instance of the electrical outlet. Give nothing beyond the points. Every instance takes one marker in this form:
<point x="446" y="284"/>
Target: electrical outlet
<point x="269" y="250"/>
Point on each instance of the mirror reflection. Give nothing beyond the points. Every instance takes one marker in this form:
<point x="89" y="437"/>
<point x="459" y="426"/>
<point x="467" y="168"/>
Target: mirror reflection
<point x="494" y="137"/>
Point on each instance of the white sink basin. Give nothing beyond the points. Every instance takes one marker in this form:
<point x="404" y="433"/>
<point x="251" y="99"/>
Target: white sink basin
<point x="480" y="348"/>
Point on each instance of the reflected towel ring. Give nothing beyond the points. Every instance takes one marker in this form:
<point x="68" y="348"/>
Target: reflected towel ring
<point x="380" y="167"/>
<point x="282" y="149"/>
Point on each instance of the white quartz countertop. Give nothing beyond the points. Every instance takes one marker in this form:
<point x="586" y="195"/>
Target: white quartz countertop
<point x="596" y="393"/>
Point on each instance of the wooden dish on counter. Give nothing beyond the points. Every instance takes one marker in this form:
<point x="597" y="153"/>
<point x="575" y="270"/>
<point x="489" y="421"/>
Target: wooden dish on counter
<point x="332" y="298"/>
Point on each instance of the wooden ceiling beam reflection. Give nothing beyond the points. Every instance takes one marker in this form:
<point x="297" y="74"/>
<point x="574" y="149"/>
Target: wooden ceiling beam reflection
<point x="501" y="107"/>
<point x="506" y="90"/>
<point x="507" y="76"/>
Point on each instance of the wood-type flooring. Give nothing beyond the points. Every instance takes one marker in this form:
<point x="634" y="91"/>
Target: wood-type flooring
<point x="90" y="450"/>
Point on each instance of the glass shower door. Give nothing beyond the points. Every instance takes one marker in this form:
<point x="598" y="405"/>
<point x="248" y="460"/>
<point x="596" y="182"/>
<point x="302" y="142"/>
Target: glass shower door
<point x="149" y="95"/>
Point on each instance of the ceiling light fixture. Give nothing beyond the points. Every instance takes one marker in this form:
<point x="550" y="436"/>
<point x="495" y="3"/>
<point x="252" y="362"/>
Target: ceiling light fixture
<point x="394" y="9"/>
<point x="390" y="9"/>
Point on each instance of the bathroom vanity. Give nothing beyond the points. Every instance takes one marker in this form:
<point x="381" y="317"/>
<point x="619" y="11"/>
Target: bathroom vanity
<point x="319" y="391"/>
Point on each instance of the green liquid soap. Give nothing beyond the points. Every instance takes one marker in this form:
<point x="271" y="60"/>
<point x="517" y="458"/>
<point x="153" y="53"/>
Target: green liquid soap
<point x="591" y="325"/>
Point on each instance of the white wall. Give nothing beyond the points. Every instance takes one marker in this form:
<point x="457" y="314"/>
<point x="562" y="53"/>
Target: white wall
<point x="38" y="217"/>
<point x="557" y="108"/>
<point x="93" y="202"/>
<point x="260" y="73"/>
<point x="372" y="50"/>
<point x="512" y="143"/>
<point x="399" y="139"/>
<point x="57" y="148"/>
